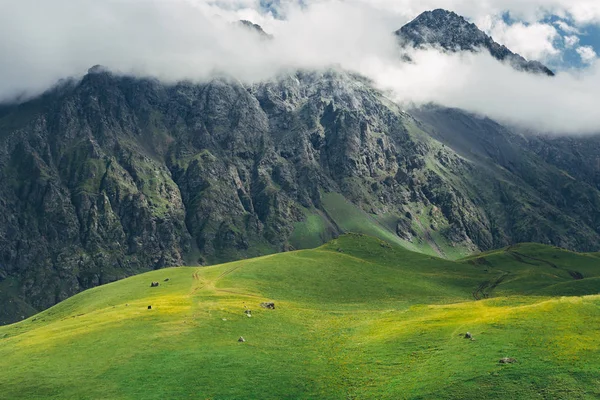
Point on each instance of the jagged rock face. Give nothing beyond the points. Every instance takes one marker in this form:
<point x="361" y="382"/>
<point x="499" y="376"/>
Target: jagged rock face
<point x="112" y="176"/>
<point x="255" y="28"/>
<point x="454" y="33"/>
<point x="78" y="208"/>
<point x="578" y="156"/>
<point x="550" y="195"/>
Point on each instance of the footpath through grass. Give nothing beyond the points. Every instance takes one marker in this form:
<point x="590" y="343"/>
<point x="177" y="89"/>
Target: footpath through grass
<point x="356" y="318"/>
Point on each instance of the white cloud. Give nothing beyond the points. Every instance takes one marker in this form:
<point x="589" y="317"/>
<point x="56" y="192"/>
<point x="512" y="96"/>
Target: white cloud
<point x="534" y="41"/>
<point x="579" y="11"/>
<point x="530" y="11"/>
<point x="478" y="83"/>
<point x="173" y="40"/>
<point x="565" y="27"/>
<point x="571" y="41"/>
<point x="587" y="54"/>
<point x="582" y="11"/>
<point x="182" y="39"/>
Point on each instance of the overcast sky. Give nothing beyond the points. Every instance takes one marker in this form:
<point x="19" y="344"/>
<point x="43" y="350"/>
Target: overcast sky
<point x="44" y="41"/>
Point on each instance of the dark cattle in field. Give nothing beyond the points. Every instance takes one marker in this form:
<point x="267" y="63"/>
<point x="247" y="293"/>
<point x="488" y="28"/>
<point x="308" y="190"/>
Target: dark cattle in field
<point x="270" y="306"/>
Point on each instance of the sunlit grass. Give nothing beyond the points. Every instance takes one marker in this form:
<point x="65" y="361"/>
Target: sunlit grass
<point x="356" y="318"/>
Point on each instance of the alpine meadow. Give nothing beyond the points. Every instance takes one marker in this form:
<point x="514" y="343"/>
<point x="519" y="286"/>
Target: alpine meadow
<point x="299" y="200"/>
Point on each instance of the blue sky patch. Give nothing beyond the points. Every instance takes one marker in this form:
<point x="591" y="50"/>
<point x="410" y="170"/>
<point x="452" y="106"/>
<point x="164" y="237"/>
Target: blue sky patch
<point x="569" y="58"/>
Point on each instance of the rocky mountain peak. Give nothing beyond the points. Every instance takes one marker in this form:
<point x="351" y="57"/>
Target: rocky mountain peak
<point x="97" y="69"/>
<point x="255" y="28"/>
<point x="453" y="32"/>
<point x="444" y="28"/>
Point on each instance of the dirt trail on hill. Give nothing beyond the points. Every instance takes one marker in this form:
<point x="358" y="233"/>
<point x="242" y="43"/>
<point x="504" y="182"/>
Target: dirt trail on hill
<point x="212" y="284"/>
<point x="481" y="293"/>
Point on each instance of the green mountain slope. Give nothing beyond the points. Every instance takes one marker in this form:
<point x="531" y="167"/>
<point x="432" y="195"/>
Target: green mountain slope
<point x="112" y="176"/>
<point x="109" y="176"/>
<point x="356" y="318"/>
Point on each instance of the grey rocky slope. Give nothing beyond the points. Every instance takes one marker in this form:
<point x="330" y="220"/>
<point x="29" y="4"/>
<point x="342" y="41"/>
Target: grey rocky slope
<point x="454" y="33"/>
<point x="112" y="176"/>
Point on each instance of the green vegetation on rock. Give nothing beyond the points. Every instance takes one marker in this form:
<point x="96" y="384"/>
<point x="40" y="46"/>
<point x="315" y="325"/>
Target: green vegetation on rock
<point x="111" y="176"/>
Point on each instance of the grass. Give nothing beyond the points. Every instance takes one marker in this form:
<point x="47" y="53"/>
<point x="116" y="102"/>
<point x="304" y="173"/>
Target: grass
<point x="535" y="269"/>
<point x="312" y="232"/>
<point x="349" y="218"/>
<point x="356" y="318"/>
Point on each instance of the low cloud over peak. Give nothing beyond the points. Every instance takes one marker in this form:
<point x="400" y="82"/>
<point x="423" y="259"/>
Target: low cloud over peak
<point x="173" y="40"/>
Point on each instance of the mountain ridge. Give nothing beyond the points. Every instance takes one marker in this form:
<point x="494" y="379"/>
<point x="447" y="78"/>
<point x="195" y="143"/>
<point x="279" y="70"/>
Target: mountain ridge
<point x="115" y="175"/>
<point x="255" y="28"/>
<point x="454" y="33"/>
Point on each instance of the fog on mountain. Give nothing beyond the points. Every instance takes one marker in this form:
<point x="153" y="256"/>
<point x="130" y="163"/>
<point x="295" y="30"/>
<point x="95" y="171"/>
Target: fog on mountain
<point x="174" y="42"/>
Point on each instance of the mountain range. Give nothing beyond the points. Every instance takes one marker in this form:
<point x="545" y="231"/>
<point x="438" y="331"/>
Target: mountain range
<point x="112" y="175"/>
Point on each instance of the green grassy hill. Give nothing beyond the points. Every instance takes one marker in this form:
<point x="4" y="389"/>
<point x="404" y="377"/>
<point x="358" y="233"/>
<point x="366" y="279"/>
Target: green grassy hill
<point x="356" y="318"/>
